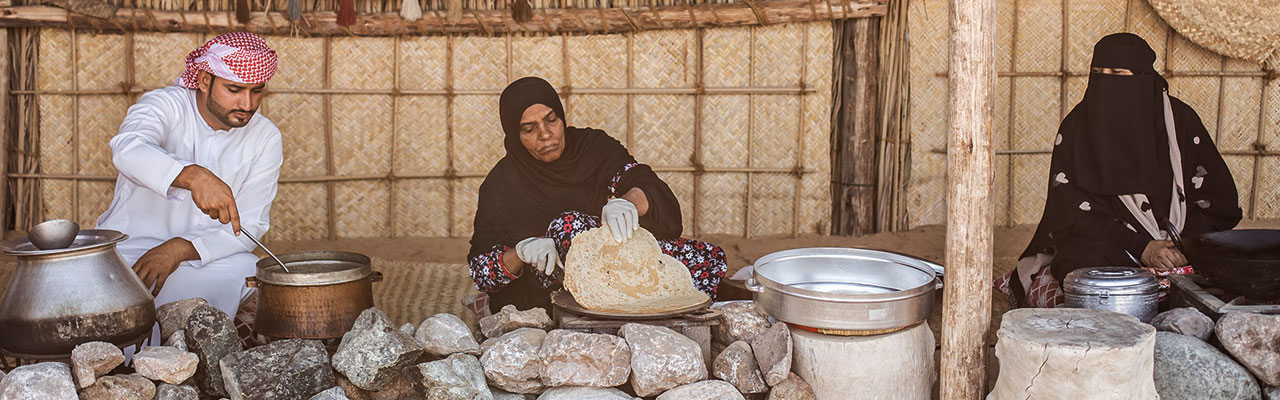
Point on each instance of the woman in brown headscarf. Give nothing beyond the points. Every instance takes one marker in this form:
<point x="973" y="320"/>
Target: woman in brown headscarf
<point x="1128" y="162"/>
<point x="557" y="181"/>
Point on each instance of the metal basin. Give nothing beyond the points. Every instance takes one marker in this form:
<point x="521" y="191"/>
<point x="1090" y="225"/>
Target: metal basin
<point x="844" y="289"/>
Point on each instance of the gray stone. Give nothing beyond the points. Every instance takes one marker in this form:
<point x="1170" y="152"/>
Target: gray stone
<point x="445" y="334"/>
<point x="737" y="365"/>
<point x="742" y="321"/>
<point x="177" y="339"/>
<point x="1188" y="368"/>
<point x="372" y="354"/>
<point x="1" y="376"/>
<point x="499" y="394"/>
<point x="1187" y="321"/>
<point x="398" y="389"/>
<point x="43" y="381"/>
<point x="1254" y="340"/>
<point x="584" y="359"/>
<point x="1271" y="393"/>
<point x="120" y="387"/>
<point x="511" y="363"/>
<point x="165" y="363"/>
<point x="173" y="316"/>
<point x="662" y="359"/>
<point x="792" y="388"/>
<point x="293" y="369"/>
<point x="93" y="359"/>
<point x="407" y="328"/>
<point x="177" y="392"/>
<point x="210" y="334"/>
<point x="459" y="377"/>
<point x="583" y="393"/>
<point x="333" y="393"/>
<point x="705" y="390"/>
<point x="773" y="352"/>
<point x="509" y="319"/>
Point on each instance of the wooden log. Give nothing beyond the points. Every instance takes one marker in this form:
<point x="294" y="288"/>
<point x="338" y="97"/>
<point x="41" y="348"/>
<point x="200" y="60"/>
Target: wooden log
<point x="896" y="365"/>
<point x="589" y="20"/>
<point x="7" y="128"/>
<point x="966" y="307"/>
<point x="1071" y="353"/>
<point x="855" y="169"/>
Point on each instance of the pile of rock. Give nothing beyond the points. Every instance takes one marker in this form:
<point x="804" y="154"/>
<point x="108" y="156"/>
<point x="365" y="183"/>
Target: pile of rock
<point x="1189" y="366"/>
<point x="521" y="357"/>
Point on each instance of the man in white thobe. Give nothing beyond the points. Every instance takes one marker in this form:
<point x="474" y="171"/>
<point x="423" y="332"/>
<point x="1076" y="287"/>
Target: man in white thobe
<point x="197" y="165"/>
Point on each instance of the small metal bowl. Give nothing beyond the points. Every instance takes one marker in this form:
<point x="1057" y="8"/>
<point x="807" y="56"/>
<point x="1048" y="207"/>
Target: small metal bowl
<point x="54" y="234"/>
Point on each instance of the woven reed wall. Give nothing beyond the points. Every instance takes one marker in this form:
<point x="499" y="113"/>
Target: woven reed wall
<point x="388" y="137"/>
<point x="1043" y="53"/>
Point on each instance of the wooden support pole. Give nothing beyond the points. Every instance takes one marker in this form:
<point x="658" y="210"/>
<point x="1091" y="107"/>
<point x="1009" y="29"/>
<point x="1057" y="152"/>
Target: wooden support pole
<point x="966" y="301"/>
<point x="7" y="127"/>
<point x="560" y="20"/>
<point x="855" y="166"/>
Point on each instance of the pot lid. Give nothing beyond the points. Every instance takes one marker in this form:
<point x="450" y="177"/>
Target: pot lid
<point x="314" y="268"/>
<point x="1110" y="281"/>
<point x="85" y="239"/>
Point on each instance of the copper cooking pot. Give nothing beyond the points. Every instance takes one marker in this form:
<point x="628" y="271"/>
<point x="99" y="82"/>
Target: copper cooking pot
<point x="61" y="297"/>
<point x="320" y="298"/>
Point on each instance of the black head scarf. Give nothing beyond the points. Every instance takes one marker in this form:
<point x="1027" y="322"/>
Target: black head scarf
<point x="1122" y="140"/>
<point x="521" y="194"/>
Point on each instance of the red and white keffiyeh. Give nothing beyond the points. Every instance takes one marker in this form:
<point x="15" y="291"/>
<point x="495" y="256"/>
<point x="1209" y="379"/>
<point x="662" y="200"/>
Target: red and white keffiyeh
<point x="241" y="57"/>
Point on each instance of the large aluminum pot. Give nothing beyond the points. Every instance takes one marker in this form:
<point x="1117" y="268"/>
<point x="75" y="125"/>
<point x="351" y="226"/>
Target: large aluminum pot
<point x="1125" y="290"/>
<point x="60" y="298"/>
<point x="319" y="298"/>
<point x="844" y="289"/>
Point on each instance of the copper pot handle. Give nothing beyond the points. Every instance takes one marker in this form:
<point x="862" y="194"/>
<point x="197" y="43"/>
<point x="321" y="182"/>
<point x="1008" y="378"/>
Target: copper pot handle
<point x="376" y="276"/>
<point x="251" y="281"/>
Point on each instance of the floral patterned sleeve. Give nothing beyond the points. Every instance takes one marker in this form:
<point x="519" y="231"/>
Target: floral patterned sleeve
<point x="488" y="272"/>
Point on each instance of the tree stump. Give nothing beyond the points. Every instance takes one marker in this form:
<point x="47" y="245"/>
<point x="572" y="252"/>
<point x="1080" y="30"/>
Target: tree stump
<point x="1072" y="353"/>
<point x="898" y="365"/>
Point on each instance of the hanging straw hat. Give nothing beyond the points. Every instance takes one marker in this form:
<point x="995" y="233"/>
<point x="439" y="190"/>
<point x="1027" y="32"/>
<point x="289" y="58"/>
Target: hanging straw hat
<point x="1245" y="29"/>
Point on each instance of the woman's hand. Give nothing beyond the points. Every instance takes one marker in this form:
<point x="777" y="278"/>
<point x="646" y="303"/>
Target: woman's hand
<point x="540" y="253"/>
<point x="1162" y="254"/>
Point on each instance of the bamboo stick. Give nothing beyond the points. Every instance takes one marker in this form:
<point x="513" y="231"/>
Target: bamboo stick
<point x="966" y="311"/>
<point x="607" y="20"/>
<point x="466" y="92"/>
<point x="393" y="176"/>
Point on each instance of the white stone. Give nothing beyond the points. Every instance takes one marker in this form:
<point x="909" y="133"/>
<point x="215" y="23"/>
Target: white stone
<point x="444" y="334"/>
<point x="93" y="359"/>
<point x="164" y="363"/>
<point x="583" y="393"/>
<point x="705" y="390"/>
<point x="43" y="381"/>
<point x="661" y="359"/>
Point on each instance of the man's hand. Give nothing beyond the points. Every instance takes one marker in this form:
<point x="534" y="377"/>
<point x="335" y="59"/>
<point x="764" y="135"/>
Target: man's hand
<point x="211" y="195"/>
<point x="155" y="266"/>
<point x="1162" y="254"/>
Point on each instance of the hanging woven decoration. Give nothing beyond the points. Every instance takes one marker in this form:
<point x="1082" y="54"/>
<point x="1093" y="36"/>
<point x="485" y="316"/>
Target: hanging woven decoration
<point x="242" y="11"/>
<point x="521" y="11"/>
<point x="1239" y="28"/>
<point x="347" y="13"/>
<point x="294" y="10"/>
<point x="410" y="10"/>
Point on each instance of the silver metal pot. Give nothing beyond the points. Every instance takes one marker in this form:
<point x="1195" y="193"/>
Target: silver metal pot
<point x="60" y="298"/>
<point x="845" y="289"/>
<point x="1124" y="290"/>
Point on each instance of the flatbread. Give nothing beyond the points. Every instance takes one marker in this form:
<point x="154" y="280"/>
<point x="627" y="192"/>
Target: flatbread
<point x="633" y="277"/>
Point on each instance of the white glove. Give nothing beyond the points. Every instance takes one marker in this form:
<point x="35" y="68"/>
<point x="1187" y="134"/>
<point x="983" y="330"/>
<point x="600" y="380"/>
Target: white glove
<point x="622" y="217"/>
<point x="540" y="253"/>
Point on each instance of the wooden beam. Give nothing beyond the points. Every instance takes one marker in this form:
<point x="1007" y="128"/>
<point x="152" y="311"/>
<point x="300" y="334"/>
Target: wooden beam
<point x="485" y="21"/>
<point x="7" y="128"/>
<point x="966" y="301"/>
<point x="855" y="169"/>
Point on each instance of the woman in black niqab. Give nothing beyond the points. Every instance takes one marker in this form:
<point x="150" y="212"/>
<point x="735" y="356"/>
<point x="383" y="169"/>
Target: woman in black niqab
<point x="1128" y="162"/>
<point x="524" y="199"/>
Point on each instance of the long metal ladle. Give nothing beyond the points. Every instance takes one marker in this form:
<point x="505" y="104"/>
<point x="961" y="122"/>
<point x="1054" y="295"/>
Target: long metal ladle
<point x="273" y="255"/>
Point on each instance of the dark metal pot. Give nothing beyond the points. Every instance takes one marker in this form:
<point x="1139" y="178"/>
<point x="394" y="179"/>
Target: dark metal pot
<point x="320" y="298"/>
<point x="60" y="298"/>
<point x="1245" y="262"/>
<point x="1125" y="290"/>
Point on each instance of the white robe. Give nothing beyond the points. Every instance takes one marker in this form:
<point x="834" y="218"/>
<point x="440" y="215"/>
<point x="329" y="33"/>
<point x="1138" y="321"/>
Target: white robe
<point x="163" y="133"/>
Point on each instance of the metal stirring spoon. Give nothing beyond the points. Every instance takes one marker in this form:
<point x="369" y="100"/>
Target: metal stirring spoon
<point x="273" y="255"/>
